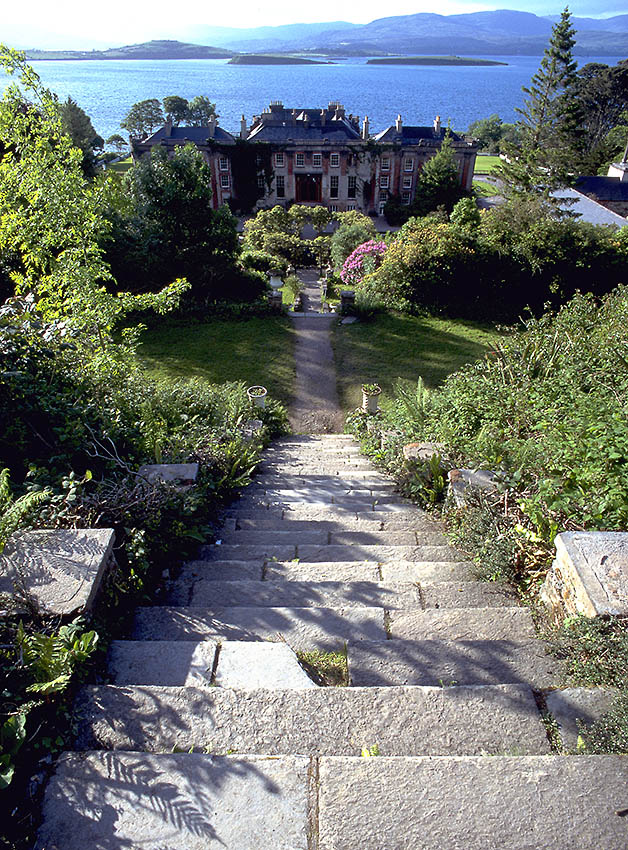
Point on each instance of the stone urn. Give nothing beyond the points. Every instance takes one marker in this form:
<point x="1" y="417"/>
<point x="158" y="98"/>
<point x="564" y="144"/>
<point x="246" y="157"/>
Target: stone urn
<point x="257" y="395"/>
<point x="370" y="397"/>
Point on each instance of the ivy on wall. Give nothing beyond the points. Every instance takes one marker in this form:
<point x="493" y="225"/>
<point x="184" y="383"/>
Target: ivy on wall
<point x="249" y="161"/>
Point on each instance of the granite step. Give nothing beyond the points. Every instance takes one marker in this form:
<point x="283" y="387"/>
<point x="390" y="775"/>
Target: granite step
<point x="368" y="521"/>
<point x="452" y="662"/>
<point x="292" y="594"/>
<point x="326" y="629"/>
<point x="461" y="624"/>
<point x="193" y="801"/>
<point x="312" y="721"/>
<point x="226" y="664"/>
<point x="362" y="480"/>
<point x="328" y="552"/>
<point x="322" y="537"/>
<point x="473" y="803"/>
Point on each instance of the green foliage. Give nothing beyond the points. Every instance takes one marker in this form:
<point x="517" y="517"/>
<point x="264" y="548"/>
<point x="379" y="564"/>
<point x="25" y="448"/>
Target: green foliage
<point x="50" y="659"/>
<point x="487" y="132"/>
<point x="200" y="111"/>
<point x="12" y="736"/>
<point x="347" y="238"/>
<point x="176" y="109"/>
<point x="77" y="124"/>
<point x="601" y="92"/>
<point x="438" y="183"/>
<point x="609" y="734"/>
<point x="142" y="118"/>
<point x="595" y="651"/>
<point x="251" y="164"/>
<point x="326" y="668"/>
<point x="13" y="512"/>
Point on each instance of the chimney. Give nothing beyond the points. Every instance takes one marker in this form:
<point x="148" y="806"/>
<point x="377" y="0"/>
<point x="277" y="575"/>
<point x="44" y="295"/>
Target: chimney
<point x="212" y="126"/>
<point x="169" y="128"/>
<point x="365" y="128"/>
<point x="243" y="128"/>
<point x="323" y="117"/>
<point x="398" y="124"/>
<point x="437" y="125"/>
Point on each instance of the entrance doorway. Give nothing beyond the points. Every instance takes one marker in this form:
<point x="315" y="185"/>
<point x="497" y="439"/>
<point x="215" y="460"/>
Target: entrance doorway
<point x="308" y="188"/>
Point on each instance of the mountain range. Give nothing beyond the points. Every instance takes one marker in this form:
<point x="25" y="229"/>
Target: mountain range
<point x="503" y="32"/>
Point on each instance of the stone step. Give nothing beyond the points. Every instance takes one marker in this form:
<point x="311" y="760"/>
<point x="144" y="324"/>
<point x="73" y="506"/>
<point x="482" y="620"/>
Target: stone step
<point x="304" y="594"/>
<point x="368" y="521"/>
<point x="327" y="552"/>
<point x="362" y="480"/>
<point x="473" y="803"/>
<point x="316" y="721"/>
<point x="462" y="624"/>
<point x="193" y="801"/>
<point x="321" y="497"/>
<point x="467" y="594"/>
<point x="178" y="801"/>
<point x="452" y="662"/>
<point x="327" y="629"/>
<point x="396" y="514"/>
<point x="227" y="664"/>
<point x="320" y="465"/>
<point x="395" y="572"/>
<point x="321" y="537"/>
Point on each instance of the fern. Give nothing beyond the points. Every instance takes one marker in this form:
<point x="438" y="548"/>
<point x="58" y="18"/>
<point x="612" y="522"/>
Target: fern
<point x="13" y="512"/>
<point x="51" y="658"/>
<point x="414" y="400"/>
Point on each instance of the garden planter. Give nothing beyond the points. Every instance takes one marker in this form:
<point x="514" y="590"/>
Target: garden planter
<point x="257" y="395"/>
<point x="370" y="397"/>
<point x="275" y="281"/>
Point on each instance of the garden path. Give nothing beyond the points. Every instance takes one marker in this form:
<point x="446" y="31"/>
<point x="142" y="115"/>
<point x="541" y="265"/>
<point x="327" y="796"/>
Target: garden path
<point x="315" y="408"/>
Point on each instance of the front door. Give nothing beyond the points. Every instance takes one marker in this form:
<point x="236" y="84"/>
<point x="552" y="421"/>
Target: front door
<point x="308" y="188"/>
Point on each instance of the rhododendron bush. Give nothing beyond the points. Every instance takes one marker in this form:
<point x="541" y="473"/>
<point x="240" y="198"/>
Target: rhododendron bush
<point x="364" y="260"/>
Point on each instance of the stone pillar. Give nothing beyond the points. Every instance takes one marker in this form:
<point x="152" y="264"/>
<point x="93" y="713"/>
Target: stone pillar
<point x="347" y="300"/>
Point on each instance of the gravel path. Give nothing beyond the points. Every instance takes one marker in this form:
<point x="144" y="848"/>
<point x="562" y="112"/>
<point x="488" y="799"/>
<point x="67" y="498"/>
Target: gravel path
<point x="315" y="408"/>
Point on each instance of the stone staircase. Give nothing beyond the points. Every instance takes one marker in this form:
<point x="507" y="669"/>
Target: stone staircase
<point x="445" y="672"/>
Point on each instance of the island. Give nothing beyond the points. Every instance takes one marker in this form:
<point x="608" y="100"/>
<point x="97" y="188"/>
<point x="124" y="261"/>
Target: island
<point x="159" y="49"/>
<point x="267" y="59"/>
<point x="432" y="60"/>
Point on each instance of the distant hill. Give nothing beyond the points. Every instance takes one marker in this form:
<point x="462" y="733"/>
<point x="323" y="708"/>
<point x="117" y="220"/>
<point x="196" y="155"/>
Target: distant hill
<point x="430" y="60"/>
<point x="265" y="59"/>
<point x="500" y="32"/>
<point x="163" y="49"/>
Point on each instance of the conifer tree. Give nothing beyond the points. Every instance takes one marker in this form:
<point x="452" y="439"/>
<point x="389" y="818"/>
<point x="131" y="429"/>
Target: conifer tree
<point x="549" y="122"/>
<point x="438" y="183"/>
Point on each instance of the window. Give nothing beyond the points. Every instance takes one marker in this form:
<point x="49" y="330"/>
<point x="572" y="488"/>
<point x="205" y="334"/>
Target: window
<point x="405" y="197"/>
<point x="350" y="207"/>
<point x="385" y="163"/>
<point x="351" y="187"/>
<point x="279" y="160"/>
<point x="281" y="186"/>
<point x="224" y="181"/>
<point x="383" y="196"/>
<point x="224" y="163"/>
<point x="261" y="183"/>
<point x="333" y="186"/>
<point x="407" y="182"/>
<point x="317" y="160"/>
<point x="408" y="164"/>
<point x="333" y="207"/>
<point x="299" y="160"/>
<point x="334" y="160"/>
<point x="384" y="182"/>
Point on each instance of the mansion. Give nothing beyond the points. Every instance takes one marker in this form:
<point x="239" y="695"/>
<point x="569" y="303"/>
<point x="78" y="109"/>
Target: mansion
<point x="318" y="156"/>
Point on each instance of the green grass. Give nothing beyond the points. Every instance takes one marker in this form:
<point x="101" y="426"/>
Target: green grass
<point x="486" y="164"/>
<point x="394" y="346"/>
<point x="121" y="167"/>
<point x="254" y="350"/>
<point x="484" y="189"/>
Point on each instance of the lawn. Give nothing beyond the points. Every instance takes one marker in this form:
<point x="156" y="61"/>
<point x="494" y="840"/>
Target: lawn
<point x="486" y="164"/>
<point x="393" y="346"/>
<point x="121" y="167"/>
<point x="483" y="189"/>
<point x="254" y="350"/>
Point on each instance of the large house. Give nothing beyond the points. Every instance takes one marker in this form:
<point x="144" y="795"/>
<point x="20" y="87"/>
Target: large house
<point x="318" y="156"/>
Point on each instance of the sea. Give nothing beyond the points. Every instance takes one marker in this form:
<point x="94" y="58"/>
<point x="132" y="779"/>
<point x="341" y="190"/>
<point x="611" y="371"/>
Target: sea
<point x="460" y="95"/>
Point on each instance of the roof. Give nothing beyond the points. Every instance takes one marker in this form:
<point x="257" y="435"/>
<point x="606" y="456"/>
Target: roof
<point x="336" y="131"/>
<point x="410" y="135"/>
<point x="588" y="209"/>
<point x="603" y="188"/>
<point x="198" y="135"/>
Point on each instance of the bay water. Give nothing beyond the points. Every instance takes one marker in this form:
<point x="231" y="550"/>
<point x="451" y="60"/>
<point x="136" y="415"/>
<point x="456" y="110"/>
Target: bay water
<point x="460" y="95"/>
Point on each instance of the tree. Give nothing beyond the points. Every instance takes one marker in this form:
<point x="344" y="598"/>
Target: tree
<point x="200" y="110"/>
<point x="78" y="126"/>
<point x="118" y="142"/>
<point x="170" y="229"/>
<point x="438" y="183"/>
<point x="549" y="120"/>
<point x="601" y="92"/>
<point x="347" y="238"/>
<point x="176" y="109"/>
<point x="142" y="118"/>
<point x="488" y="132"/>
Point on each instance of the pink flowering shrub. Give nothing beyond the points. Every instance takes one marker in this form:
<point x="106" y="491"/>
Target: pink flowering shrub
<point x="364" y="260"/>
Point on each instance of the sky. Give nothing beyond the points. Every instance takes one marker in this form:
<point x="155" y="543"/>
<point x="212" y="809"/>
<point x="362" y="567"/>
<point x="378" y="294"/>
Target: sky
<point x="73" y="25"/>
